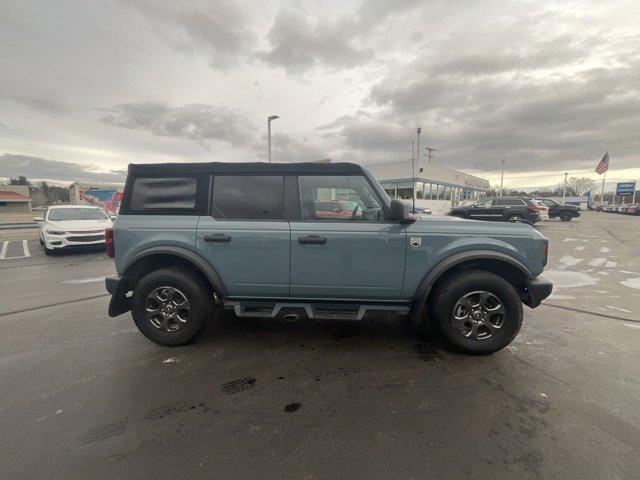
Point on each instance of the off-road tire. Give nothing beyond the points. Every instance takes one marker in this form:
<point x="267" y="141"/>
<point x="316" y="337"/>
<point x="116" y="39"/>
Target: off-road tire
<point x="457" y="285"/>
<point x="196" y="291"/>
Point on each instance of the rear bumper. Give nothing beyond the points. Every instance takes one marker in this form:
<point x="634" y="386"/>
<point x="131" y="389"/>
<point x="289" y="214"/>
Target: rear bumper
<point x="536" y="290"/>
<point x="118" y="289"/>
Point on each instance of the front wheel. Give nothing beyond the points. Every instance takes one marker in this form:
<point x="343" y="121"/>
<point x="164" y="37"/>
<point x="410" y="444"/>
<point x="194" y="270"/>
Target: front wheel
<point x="171" y="306"/>
<point x="478" y="312"/>
<point x="566" y="217"/>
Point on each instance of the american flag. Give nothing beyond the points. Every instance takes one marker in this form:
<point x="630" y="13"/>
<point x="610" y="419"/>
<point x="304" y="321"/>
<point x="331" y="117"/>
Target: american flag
<point x="603" y="166"/>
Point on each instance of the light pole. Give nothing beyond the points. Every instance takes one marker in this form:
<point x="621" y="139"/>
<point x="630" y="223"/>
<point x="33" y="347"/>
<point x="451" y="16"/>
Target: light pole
<point x="269" y="120"/>
<point x="564" y="189"/>
<point x="502" y="176"/>
<point x="419" y="131"/>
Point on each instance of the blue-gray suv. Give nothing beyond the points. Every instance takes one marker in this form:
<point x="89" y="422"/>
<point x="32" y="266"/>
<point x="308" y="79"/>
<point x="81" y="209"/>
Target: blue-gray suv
<point x="311" y="240"/>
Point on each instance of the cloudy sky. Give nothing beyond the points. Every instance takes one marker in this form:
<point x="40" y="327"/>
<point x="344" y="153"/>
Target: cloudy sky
<point x="88" y="87"/>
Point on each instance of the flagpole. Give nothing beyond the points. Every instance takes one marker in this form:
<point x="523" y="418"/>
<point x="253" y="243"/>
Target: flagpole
<point x="604" y="175"/>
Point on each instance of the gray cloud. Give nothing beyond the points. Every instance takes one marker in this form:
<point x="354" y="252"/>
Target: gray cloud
<point x="197" y="122"/>
<point x="296" y="44"/>
<point x="14" y="165"/>
<point x="40" y="104"/>
<point x="218" y="28"/>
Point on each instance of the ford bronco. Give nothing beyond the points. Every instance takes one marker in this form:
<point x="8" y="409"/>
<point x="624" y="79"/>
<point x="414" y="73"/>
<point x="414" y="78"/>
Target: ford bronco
<point x="254" y="238"/>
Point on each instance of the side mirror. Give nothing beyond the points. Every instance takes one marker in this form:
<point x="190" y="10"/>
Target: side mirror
<point x="399" y="212"/>
<point x="38" y="219"/>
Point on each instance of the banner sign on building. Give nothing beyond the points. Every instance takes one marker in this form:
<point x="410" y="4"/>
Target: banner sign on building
<point x="625" y="188"/>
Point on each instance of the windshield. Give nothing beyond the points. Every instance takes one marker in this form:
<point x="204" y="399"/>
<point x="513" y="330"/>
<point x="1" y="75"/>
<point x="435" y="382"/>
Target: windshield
<point x="62" y="214"/>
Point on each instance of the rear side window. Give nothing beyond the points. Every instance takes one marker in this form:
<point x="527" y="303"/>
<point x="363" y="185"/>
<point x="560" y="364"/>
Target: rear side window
<point x="166" y="193"/>
<point x="508" y="201"/>
<point x="248" y="197"/>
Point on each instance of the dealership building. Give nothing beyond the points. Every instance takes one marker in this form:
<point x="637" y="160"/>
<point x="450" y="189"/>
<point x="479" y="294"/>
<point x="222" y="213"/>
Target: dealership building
<point x="433" y="186"/>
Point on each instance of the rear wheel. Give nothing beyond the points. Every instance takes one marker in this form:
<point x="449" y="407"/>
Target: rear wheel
<point x="477" y="311"/>
<point x="171" y="306"/>
<point x="516" y="217"/>
<point x="566" y="217"/>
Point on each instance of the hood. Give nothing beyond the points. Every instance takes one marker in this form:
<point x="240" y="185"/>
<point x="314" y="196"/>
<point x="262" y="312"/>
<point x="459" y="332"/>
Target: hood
<point x="462" y="226"/>
<point x="80" y="225"/>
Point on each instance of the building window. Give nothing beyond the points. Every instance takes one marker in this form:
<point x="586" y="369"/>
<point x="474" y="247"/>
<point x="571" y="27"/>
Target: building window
<point x="405" y="190"/>
<point x="390" y="188"/>
<point x="420" y="190"/>
<point x="447" y="192"/>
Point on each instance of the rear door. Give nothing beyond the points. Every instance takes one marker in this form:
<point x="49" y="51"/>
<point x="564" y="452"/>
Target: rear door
<point x="356" y="256"/>
<point x="246" y="237"/>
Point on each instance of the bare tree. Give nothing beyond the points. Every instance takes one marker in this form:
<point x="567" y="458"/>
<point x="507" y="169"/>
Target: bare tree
<point x="580" y="186"/>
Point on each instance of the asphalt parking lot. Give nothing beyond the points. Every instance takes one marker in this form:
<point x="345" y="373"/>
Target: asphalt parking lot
<point x="87" y="396"/>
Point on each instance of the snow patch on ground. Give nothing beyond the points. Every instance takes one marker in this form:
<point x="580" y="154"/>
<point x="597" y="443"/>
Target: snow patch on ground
<point x="570" y="240"/>
<point x="604" y="250"/>
<point x="635" y="326"/>
<point x="553" y="296"/>
<point x="631" y="283"/>
<point x="579" y="248"/>
<point x="570" y="261"/>
<point x="598" y="262"/>
<point x="619" y="309"/>
<point x="562" y="279"/>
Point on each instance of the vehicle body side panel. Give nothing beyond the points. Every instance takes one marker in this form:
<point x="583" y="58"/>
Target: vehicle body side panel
<point x="255" y="261"/>
<point x="360" y="260"/>
<point x="135" y="233"/>
<point x="440" y="238"/>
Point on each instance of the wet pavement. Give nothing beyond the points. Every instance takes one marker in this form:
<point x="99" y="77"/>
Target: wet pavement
<point x="87" y="396"/>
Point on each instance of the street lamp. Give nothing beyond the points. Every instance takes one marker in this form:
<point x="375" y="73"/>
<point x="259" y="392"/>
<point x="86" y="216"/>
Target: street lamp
<point x="269" y="120"/>
<point x="419" y="131"/>
<point x="502" y="176"/>
<point x="564" y="189"/>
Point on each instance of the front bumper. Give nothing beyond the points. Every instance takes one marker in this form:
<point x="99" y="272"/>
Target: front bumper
<point x="536" y="290"/>
<point x="70" y="239"/>
<point x="117" y="287"/>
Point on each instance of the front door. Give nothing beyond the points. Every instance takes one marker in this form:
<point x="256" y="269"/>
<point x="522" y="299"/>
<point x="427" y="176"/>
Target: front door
<point x="350" y="253"/>
<point x="483" y="210"/>
<point x="246" y="238"/>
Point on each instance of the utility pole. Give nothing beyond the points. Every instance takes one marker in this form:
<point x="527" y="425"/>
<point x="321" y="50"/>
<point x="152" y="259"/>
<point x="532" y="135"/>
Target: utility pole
<point x="502" y="176"/>
<point x="429" y="150"/>
<point x="413" y="176"/>
<point x="633" y="200"/>
<point x="269" y="120"/>
<point x="413" y="189"/>
<point x="564" y="189"/>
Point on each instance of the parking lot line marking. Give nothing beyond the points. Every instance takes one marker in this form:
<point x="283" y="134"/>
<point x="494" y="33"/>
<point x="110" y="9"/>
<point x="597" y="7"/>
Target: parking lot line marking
<point x="25" y="247"/>
<point x="3" y="252"/>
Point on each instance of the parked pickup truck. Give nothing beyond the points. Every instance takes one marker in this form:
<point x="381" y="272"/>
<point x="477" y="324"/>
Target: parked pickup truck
<point x="249" y="237"/>
<point x="558" y="210"/>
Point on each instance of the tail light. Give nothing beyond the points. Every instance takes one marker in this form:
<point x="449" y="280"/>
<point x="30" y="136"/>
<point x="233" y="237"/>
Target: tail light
<point x="108" y="242"/>
<point x="533" y="209"/>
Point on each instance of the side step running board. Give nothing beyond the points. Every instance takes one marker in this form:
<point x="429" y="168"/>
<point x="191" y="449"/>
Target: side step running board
<point x="314" y="311"/>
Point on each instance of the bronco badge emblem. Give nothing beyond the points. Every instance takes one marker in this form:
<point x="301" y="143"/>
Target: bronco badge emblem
<point x="415" y="241"/>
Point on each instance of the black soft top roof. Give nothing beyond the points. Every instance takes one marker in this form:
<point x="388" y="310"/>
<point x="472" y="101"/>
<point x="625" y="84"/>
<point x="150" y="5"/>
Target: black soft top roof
<point x="245" y="168"/>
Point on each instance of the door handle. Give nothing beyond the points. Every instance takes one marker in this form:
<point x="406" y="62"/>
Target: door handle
<point x="313" y="239"/>
<point x="217" y="238"/>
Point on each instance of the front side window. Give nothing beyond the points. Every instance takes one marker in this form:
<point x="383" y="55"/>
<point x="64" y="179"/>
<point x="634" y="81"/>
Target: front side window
<point x="338" y="198"/>
<point x="248" y="197"/>
<point x="484" y="202"/>
<point x="64" y="214"/>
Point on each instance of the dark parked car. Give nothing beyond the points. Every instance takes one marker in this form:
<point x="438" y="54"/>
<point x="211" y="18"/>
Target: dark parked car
<point x="502" y="209"/>
<point x="557" y="210"/>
